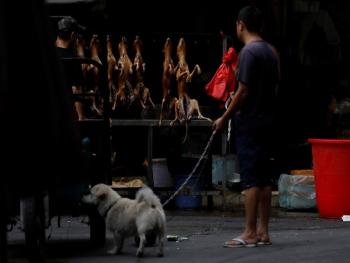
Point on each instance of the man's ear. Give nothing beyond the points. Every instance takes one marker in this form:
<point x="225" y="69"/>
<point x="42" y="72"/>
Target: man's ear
<point x="240" y="26"/>
<point x="73" y="35"/>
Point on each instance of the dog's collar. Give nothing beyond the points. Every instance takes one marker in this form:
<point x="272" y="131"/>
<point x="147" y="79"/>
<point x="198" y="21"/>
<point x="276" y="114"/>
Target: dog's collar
<point x="109" y="208"/>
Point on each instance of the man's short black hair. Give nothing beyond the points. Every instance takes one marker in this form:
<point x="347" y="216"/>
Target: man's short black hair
<point x="67" y="25"/>
<point x="252" y="17"/>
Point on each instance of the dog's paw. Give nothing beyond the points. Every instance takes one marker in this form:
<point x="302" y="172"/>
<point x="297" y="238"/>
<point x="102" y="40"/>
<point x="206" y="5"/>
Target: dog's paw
<point x="160" y="255"/>
<point x="139" y="253"/>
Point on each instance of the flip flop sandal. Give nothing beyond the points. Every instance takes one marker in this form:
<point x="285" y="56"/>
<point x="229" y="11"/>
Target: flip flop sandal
<point x="238" y="242"/>
<point x="264" y="243"/>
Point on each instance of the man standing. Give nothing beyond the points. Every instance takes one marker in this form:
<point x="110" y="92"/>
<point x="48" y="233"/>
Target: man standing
<point x="253" y="107"/>
<point x="67" y="28"/>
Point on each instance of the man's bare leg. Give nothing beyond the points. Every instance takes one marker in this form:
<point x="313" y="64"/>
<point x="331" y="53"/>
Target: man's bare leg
<point x="251" y="212"/>
<point x="251" y="201"/>
<point x="264" y="213"/>
<point x="79" y="107"/>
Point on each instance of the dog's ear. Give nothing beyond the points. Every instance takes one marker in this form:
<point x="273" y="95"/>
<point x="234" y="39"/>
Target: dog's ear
<point x="102" y="196"/>
<point x="100" y="193"/>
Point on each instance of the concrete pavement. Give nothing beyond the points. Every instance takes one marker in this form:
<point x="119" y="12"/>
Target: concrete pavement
<point x="296" y="237"/>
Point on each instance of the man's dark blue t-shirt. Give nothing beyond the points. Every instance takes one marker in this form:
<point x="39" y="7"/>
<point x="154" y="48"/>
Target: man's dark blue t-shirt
<point x="258" y="70"/>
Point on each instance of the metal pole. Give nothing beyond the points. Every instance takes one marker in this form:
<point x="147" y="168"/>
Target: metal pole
<point x="3" y="229"/>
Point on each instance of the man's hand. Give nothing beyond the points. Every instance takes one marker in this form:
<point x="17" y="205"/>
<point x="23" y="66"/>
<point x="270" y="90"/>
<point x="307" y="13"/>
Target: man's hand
<point x="219" y="124"/>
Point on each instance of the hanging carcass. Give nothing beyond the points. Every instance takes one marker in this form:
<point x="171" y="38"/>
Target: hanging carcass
<point x="185" y="107"/>
<point x="168" y="102"/>
<point x="112" y="67"/>
<point x="95" y="72"/>
<point x="124" y="89"/>
<point x="141" y="93"/>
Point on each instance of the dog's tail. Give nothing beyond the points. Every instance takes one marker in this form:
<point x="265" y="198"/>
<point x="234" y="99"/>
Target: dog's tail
<point x="145" y="194"/>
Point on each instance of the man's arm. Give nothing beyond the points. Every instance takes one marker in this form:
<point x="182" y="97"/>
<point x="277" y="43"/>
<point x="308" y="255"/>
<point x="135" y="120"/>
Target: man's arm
<point x="235" y="104"/>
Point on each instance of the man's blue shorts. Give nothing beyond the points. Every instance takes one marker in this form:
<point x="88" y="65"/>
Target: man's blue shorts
<point x="253" y="147"/>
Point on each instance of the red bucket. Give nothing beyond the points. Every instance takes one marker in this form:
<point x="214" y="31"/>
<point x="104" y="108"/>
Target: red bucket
<point x="331" y="165"/>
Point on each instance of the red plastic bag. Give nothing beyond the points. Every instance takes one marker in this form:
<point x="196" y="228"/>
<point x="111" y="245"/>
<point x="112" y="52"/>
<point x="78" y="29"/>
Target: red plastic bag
<point x="224" y="79"/>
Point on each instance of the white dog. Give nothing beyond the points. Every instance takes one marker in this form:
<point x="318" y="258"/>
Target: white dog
<point x="126" y="218"/>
